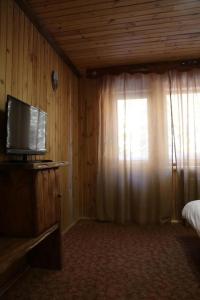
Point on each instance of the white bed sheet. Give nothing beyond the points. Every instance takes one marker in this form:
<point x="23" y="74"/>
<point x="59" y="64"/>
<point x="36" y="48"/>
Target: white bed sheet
<point x="191" y="212"/>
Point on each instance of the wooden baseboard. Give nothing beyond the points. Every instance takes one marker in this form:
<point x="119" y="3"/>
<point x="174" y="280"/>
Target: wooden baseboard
<point x="70" y="226"/>
<point x="87" y="218"/>
<point x="176" y="221"/>
<point x="75" y="222"/>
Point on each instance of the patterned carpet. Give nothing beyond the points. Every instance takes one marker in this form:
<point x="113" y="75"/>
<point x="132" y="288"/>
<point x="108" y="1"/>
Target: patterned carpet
<point x="105" y="262"/>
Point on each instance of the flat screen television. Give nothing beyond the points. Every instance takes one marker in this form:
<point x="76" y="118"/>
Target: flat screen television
<point x="26" y="128"/>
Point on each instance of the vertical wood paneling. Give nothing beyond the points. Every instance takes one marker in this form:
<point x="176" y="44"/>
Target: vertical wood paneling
<point x="75" y="152"/>
<point x="88" y="146"/>
<point x="3" y="16"/>
<point x="9" y="48"/>
<point x="26" y="63"/>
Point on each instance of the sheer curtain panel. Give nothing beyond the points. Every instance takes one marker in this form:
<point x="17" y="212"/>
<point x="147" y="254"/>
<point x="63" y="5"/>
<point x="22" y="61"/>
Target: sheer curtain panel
<point x="148" y="133"/>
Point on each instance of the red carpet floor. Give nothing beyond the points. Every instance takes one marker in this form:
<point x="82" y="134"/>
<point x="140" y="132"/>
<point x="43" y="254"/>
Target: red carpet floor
<point x="107" y="261"/>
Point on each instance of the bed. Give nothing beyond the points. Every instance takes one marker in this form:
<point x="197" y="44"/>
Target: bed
<point x="191" y="212"/>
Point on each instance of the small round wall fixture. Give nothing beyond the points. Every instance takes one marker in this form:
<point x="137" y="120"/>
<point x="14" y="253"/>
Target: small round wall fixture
<point x="54" y="80"/>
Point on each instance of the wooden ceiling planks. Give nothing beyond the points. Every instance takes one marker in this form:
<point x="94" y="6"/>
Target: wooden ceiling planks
<point x="100" y="33"/>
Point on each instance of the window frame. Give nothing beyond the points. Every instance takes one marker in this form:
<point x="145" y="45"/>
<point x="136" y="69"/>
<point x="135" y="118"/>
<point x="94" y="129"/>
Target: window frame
<point x="129" y="96"/>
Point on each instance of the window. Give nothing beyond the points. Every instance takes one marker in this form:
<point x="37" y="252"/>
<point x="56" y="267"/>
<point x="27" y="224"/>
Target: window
<point x="186" y="123"/>
<point x="132" y="129"/>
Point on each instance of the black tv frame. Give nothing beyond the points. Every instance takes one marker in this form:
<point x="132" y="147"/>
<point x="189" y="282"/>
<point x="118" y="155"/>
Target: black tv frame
<point x="23" y="152"/>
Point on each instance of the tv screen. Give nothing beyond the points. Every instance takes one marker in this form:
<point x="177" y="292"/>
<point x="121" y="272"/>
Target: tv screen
<point x="26" y="128"/>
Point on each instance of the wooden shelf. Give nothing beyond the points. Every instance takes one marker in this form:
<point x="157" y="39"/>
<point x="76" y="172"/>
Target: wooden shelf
<point x="31" y="205"/>
<point x="12" y="249"/>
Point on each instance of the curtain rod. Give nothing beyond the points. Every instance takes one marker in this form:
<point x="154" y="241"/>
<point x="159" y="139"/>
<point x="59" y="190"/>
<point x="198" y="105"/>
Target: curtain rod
<point x="156" y="67"/>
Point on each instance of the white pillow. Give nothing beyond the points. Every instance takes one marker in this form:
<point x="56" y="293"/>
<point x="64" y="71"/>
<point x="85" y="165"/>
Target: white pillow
<point x="191" y="212"/>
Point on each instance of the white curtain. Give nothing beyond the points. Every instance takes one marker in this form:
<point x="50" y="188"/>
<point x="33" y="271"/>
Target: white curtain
<point x="184" y="137"/>
<point x="142" y="142"/>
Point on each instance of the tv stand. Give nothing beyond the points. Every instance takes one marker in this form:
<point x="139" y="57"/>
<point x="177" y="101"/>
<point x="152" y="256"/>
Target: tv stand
<point x="31" y="197"/>
<point x="30" y="161"/>
<point x="25" y="159"/>
<point x="31" y="165"/>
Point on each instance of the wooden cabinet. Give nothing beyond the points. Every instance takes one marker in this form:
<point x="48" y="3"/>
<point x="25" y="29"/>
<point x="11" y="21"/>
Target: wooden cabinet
<point x="30" y="199"/>
<point x="29" y="218"/>
<point x="46" y="199"/>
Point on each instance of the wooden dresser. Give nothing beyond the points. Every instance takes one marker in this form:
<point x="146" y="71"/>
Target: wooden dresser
<point x="29" y="217"/>
<point x="30" y="198"/>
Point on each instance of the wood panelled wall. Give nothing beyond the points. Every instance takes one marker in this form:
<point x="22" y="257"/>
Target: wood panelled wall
<point x="88" y="145"/>
<point x="26" y="63"/>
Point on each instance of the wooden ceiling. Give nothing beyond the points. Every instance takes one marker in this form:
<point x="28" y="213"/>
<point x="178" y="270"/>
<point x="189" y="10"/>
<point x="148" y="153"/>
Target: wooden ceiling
<point x="101" y="33"/>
